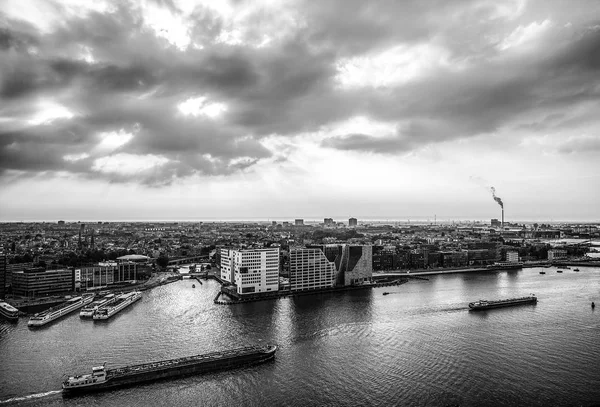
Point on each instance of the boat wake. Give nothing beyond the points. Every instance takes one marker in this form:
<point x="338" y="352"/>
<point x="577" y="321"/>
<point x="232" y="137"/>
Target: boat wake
<point x="30" y="397"/>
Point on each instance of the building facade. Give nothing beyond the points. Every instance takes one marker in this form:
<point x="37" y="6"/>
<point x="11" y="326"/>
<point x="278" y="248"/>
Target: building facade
<point x="310" y="269"/>
<point x="512" y="256"/>
<point x="3" y="264"/>
<point x="352" y="222"/>
<point x="37" y="282"/>
<point x="227" y="265"/>
<point x="299" y="222"/>
<point x="557" y="254"/>
<point x="255" y="271"/>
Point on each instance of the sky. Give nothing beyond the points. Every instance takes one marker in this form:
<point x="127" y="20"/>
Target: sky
<point x="177" y="109"/>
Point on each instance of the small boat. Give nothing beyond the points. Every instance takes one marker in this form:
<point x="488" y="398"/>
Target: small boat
<point x="386" y="293"/>
<point x="193" y="285"/>
<point x="575" y="269"/>
<point x="559" y="271"/>
<point x="542" y="272"/>
<point x="593" y="305"/>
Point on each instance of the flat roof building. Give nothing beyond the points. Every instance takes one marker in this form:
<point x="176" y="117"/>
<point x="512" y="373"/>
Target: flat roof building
<point x="36" y="282"/>
<point x="253" y="271"/>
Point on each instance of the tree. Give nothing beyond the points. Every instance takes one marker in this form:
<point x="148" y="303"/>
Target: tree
<point x="162" y="261"/>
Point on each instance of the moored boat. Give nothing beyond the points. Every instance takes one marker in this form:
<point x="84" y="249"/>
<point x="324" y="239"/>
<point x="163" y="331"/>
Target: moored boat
<point x="559" y="271"/>
<point x="542" y="272"/>
<point x="8" y="311"/>
<point x="121" y="302"/>
<point x="88" y="310"/>
<point x="51" y="314"/>
<point x="103" y="379"/>
<point x="487" y="304"/>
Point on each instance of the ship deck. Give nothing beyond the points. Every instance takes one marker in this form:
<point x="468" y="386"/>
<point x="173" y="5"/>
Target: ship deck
<point x="122" y="371"/>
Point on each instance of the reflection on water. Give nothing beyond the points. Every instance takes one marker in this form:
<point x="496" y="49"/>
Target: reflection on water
<point x="419" y="346"/>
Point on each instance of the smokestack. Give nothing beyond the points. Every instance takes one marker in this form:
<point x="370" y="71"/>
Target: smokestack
<point x="503" y="217"/>
<point x="499" y="201"/>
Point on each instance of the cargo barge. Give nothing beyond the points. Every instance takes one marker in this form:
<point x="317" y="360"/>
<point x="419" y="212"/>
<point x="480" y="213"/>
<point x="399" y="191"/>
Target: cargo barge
<point x="9" y="312"/>
<point x="103" y="379"/>
<point x="485" y="304"/>
<point x="88" y="310"/>
<point x="122" y="301"/>
<point x="42" y="318"/>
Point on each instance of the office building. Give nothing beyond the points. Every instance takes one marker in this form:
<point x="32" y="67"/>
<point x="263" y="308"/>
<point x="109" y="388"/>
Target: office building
<point x="352" y="222"/>
<point x="227" y="265"/>
<point x="512" y="256"/>
<point x="328" y="221"/>
<point x="37" y="282"/>
<point x="3" y="264"/>
<point x="299" y="222"/>
<point x="557" y="254"/>
<point x="253" y="271"/>
<point x="310" y="269"/>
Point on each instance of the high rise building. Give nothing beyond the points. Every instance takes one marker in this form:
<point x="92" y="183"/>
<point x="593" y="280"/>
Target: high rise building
<point x="352" y="222"/>
<point x="299" y="222"/>
<point x="328" y="221"/>
<point x="227" y="265"/>
<point x="310" y="269"/>
<point x="253" y="271"/>
<point x="3" y="263"/>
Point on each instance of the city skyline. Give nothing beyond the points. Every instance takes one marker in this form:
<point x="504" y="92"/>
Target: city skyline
<point x="176" y="110"/>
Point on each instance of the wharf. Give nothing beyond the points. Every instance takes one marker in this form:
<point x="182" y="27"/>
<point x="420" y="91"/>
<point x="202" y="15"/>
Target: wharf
<point x="289" y="293"/>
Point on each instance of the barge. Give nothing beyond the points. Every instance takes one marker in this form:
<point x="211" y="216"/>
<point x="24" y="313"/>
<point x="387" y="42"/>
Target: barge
<point x="121" y="302"/>
<point x="8" y="311"/>
<point x="485" y="304"/>
<point x="88" y="310"/>
<point x="103" y="379"/>
<point x="51" y="314"/>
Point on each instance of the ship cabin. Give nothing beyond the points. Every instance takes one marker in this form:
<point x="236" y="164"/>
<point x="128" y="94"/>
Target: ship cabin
<point x="98" y="376"/>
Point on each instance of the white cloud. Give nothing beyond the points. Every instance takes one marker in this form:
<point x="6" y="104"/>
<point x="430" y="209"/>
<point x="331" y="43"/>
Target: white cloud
<point x="128" y="164"/>
<point x="199" y="106"/>
<point x="393" y="66"/>
<point x="48" y="111"/>
<point x="111" y="140"/>
<point x="360" y="125"/>
<point x="75" y="157"/>
<point x="525" y="35"/>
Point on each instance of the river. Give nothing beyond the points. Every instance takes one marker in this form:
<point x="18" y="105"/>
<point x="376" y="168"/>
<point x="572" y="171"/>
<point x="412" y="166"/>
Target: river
<point x="418" y="346"/>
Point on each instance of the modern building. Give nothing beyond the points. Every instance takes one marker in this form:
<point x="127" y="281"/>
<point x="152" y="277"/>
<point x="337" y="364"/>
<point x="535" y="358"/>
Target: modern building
<point x="37" y="282"/>
<point x="353" y="263"/>
<point x="328" y="221"/>
<point x="556" y="254"/>
<point x="512" y="256"/>
<point x="352" y="222"/>
<point x="253" y="271"/>
<point x="310" y="269"/>
<point x="227" y="265"/>
<point x="3" y="264"/>
<point x="299" y="222"/>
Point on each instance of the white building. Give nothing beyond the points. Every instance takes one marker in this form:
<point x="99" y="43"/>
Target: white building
<point x="310" y="269"/>
<point x="512" y="257"/>
<point x="227" y="265"/>
<point x="556" y="254"/>
<point x="253" y="271"/>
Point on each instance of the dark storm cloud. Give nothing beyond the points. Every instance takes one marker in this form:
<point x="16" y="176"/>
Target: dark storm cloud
<point x="136" y="79"/>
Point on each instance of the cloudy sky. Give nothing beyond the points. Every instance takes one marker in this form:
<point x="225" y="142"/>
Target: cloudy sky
<point x="176" y="109"/>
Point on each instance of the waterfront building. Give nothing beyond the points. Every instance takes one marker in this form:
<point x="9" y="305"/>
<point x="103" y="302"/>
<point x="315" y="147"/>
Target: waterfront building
<point x="227" y="265"/>
<point x="557" y="254"/>
<point x="37" y="281"/>
<point x="310" y="269"/>
<point x="299" y="222"/>
<point x="3" y="263"/>
<point x="255" y="271"/>
<point x="512" y="256"/>
<point x="13" y="268"/>
<point x="352" y="222"/>
<point x="356" y="264"/>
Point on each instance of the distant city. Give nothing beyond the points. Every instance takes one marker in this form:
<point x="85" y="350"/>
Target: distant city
<point x="261" y="260"/>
